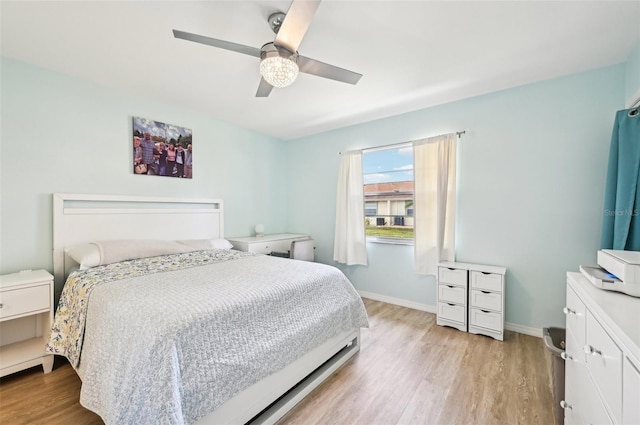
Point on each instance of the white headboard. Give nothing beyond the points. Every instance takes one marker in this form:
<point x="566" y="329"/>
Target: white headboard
<point x="86" y="218"/>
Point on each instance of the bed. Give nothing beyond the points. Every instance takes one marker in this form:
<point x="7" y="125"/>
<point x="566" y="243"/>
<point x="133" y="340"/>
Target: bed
<point x="165" y="324"/>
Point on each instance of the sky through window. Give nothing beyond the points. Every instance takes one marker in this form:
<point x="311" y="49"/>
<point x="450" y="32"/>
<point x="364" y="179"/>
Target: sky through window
<point x="388" y="165"/>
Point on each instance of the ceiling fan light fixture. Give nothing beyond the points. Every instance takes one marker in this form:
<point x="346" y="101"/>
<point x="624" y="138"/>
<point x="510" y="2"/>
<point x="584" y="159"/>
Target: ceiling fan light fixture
<point x="279" y="68"/>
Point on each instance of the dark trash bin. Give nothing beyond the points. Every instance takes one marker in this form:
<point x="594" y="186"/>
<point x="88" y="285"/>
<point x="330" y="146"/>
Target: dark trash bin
<point x="554" y="340"/>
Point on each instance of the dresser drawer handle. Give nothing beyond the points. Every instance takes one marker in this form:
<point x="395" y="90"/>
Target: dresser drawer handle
<point x="451" y="286"/>
<point x="485" y="272"/>
<point x="591" y="350"/>
<point x="565" y="356"/>
<point x="565" y="405"/>
<point x="486" y="292"/>
<point x="453" y="305"/>
<point x="485" y="311"/>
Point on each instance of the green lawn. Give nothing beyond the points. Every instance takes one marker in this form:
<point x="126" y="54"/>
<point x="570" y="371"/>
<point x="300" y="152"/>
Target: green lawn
<point x="389" y="232"/>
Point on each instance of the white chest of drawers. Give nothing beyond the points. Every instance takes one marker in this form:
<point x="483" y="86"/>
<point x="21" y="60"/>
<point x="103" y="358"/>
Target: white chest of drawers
<point x="26" y="315"/>
<point x="268" y="243"/>
<point x="471" y="298"/>
<point x="602" y="358"/>
<point x="452" y="297"/>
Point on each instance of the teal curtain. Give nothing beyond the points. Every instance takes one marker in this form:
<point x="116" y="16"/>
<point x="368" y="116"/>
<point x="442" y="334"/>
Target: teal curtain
<point x="621" y="226"/>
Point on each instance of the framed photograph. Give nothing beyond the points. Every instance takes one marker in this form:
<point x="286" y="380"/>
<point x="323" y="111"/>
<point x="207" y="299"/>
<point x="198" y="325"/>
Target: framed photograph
<point x="161" y="149"/>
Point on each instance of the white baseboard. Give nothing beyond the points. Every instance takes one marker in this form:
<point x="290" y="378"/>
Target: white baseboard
<point x="398" y="301"/>
<point x="527" y="330"/>
<point x="521" y="329"/>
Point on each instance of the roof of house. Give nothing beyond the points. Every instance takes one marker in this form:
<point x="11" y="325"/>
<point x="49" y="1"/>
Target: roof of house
<point x="388" y="191"/>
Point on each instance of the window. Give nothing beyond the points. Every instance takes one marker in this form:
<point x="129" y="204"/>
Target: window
<point x="370" y="209"/>
<point x="388" y="193"/>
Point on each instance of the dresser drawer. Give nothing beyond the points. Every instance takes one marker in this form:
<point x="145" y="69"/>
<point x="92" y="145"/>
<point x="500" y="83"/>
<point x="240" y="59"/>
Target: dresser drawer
<point x="575" y="318"/>
<point x="452" y="294"/>
<point x="581" y="396"/>
<point x="452" y="312"/>
<point x="573" y="349"/>
<point x="577" y="382"/>
<point x="604" y="361"/>
<point x="452" y="276"/>
<point x="22" y="301"/>
<point x="486" y="281"/>
<point x="486" y="319"/>
<point x="575" y="395"/>
<point x="630" y="393"/>
<point x="486" y="300"/>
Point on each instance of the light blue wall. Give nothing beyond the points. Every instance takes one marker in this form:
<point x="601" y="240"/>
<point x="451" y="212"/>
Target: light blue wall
<point x="531" y="175"/>
<point x="60" y="134"/>
<point x="632" y="72"/>
<point x="530" y="188"/>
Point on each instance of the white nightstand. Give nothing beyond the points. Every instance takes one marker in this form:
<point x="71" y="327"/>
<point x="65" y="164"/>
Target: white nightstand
<point x="268" y="243"/>
<point x="26" y="315"/>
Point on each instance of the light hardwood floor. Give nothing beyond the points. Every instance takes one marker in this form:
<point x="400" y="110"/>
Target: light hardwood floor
<point x="409" y="371"/>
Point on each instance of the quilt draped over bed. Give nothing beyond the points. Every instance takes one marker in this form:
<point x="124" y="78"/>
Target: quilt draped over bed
<point x="170" y="347"/>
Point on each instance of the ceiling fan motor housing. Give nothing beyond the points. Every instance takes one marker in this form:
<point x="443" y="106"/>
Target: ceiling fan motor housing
<point x="271" y="50"/>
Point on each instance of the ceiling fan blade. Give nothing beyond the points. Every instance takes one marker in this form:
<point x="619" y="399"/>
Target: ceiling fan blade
<point x="264" y="88"/>
<point x="321" y="69"/>
<point x="296" y="23"/>
<point x="227" y="45"/>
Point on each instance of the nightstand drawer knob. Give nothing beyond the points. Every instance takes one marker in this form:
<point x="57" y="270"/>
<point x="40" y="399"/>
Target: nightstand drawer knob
<point x="1" y="305"/>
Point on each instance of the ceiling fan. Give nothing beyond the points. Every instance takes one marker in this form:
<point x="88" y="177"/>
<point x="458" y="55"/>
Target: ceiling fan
<point x="279" y="60"/>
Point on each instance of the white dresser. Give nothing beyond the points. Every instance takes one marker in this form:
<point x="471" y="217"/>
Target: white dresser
<point x="268" y="243"/>
<point x="26" y="315"/>
<point x="602" y="357"/>
<point x="471" y="298"/>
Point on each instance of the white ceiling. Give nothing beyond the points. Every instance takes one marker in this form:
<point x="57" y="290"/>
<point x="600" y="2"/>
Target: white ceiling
<point x="413" y="54"/>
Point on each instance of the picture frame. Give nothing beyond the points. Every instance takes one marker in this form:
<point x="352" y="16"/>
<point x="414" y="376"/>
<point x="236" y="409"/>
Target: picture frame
<point x="161" y="149"/>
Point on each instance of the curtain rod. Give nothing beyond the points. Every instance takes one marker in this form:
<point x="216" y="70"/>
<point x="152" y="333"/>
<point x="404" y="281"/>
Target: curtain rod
<point x="458" y="133"/>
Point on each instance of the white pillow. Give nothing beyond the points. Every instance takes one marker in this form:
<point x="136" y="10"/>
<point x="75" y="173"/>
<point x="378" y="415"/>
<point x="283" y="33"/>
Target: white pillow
<point x="196" y="244"/>
<point x="85" y="254"/>
<point x="94" y="254"/>
<point x="122" y="250"/>
<point x="207" y="243"/>
<point x="220" y="244"/>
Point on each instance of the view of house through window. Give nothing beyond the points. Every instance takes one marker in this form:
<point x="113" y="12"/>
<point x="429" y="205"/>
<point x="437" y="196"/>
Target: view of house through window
<point x="388" y="192"/>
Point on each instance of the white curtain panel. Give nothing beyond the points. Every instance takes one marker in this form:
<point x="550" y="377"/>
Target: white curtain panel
<point x="349" y="246"/>
<point x="434" y="201"/>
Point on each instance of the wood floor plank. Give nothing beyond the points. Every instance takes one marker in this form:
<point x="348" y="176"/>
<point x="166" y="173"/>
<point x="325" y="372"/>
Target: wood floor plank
<point x="409" y="371"/>
<point x="449" y="377"/>
<point x="32" y="397"/>
<point x="442" y="356"/>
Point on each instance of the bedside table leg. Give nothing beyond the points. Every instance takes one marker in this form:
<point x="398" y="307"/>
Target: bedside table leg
<point x="47" y="363"/>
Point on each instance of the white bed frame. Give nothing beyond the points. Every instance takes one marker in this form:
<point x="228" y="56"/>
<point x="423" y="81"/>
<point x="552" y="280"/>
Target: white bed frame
<point x="85" y="218"/>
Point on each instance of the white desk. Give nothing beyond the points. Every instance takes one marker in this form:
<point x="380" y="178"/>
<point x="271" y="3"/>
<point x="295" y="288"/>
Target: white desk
<point x="268" y="243"/>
